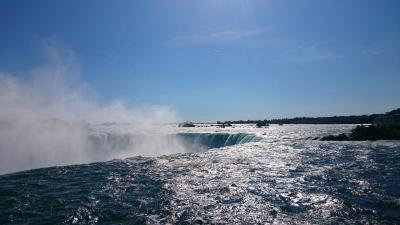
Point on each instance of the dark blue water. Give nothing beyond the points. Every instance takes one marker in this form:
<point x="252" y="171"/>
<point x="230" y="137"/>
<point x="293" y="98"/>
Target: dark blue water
<point x="269" y="181"/>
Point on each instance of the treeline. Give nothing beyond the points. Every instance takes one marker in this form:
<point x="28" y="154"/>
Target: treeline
<point x="389" y="117"/>
<point x="373" y="132"/>
<point x="386" y="128"/>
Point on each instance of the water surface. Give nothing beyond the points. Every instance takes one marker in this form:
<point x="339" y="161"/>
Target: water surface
<point x="281" y="176"/>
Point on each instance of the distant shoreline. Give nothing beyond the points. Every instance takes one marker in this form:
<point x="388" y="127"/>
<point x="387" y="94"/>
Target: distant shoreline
<point x="391" y="116"/>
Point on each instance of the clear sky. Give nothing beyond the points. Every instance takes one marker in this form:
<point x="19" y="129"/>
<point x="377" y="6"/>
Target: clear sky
<point x="220" y="59"/>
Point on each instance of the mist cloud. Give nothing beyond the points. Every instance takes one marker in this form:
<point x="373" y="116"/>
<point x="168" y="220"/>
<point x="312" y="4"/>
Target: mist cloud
<point x="48" y="117"/>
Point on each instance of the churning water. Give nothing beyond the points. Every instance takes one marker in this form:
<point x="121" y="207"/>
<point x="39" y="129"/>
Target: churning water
<point x="276" y="175"/>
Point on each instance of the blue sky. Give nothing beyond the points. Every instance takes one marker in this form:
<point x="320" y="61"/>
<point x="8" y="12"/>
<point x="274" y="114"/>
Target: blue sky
<point x="219" y="59"/>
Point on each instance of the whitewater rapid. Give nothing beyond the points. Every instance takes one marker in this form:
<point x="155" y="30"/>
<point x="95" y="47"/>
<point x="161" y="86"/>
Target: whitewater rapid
<point x="281" y="176"/>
